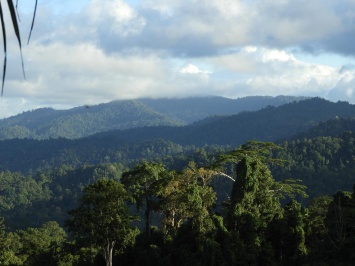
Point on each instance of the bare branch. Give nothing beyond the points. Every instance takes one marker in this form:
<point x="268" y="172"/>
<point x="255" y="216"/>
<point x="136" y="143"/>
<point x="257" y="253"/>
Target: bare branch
<point x="225" y="175"/>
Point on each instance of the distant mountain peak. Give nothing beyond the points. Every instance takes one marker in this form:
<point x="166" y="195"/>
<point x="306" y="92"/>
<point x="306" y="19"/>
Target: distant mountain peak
<point x="86" y="120"/>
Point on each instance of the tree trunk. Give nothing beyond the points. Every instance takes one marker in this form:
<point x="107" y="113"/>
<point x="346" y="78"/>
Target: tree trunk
<point x="108" y="252"/>
<point x="147" y="217"/>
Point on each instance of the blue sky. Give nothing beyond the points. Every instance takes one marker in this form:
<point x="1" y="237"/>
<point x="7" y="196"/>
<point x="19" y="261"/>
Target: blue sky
<point x="95" y="51"/>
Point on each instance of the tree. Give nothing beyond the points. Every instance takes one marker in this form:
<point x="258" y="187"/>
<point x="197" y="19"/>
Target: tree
<point x="253" y="149"/>
<point x="186" y="204"/>
<point x="187" y="196"/>
<point x="253" y="205"/>
<point x="255" y="199"/>
<point x="340" y="221"/>
<point x="317" y="235"/>
<point x="144" y="182"/>
<point x="102" y="219"/>
<point x="293" y="235"/>
<point x="9" y="247"/>
<point x="42" y="245"/>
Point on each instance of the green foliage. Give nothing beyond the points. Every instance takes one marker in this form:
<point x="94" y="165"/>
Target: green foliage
<point x="150" y="141"/>
<point x="145" y="182"/>
<point x="10" y="247"/>
<point x="32" y="200"/>
<point x="33" y="246"/>
<point x="253" y="149"/>
<point x="19" y="197"/>
<point x="187" y="196"/>
<point x="317" y="233"/>
<point x="102" y="219"/>
<point x="252" y="207"/>
<point x="254" y="228"/>
<point x="339" y="219"/>
<point x="293" y="237"/>
<point x="42" y="246"/>
<point x="46" y="123"/>
<point x="83" y="121"/>
<point x="325" y="164"/>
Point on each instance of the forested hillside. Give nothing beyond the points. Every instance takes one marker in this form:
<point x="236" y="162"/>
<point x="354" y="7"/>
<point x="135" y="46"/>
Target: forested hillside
<point x="83" y="121"/>
<point x="325" y="164"/>
<point x="198" y="194"/>
<point x="88" y="215"/>
<point x="268" y="124"/>
<point x="47" y="123"/>
<point x="193" y="109"/>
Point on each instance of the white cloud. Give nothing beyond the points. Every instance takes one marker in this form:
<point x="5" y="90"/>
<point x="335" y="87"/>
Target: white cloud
<point x="115" y="15"/>
<point x="111" y="49"/>
<point x="344" y="89"/>
<point x="192" y="69"/>
<point x="262" y="71"/>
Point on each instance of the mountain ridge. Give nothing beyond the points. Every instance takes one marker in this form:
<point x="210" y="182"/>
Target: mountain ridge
<point x="269" y="124"/>
<point x="83" y="121"/>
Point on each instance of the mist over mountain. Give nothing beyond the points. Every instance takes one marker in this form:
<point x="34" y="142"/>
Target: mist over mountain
<point x="267" y="124"/>
<point x="190" y="110"/>
<point x="83" y="121"/>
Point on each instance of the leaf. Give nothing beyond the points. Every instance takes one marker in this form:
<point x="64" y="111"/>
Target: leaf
<point x="16" y="29"/>
<point x="14" y="20"/>
<point x="5" y="49"/>
<point x="18" y="16"/>
<point x="33" y="21"/>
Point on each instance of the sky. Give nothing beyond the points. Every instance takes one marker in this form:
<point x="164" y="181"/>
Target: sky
<point x="86" y="52"/>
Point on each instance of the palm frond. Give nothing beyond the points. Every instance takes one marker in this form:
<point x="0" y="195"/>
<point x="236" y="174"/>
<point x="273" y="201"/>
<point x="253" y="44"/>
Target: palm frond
<point x="18" y="16"/>
<point x="16" y="29"/>
<point x="15" y="18"/>
<point x="5" y="48"/>
<point x="33" y="22"/>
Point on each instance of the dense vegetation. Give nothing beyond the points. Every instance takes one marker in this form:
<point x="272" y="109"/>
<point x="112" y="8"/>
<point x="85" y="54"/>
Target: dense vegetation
<point x="93" y="200"/>
<point x="87" y="216"/>
<point x="47" y="123"/>
<point x="170" y="143"/>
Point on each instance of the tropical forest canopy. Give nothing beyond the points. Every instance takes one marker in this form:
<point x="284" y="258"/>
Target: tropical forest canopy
<point x="181" y="193"/>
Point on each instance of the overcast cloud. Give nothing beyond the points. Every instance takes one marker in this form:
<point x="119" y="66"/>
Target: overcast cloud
<point x="94" y="51"/>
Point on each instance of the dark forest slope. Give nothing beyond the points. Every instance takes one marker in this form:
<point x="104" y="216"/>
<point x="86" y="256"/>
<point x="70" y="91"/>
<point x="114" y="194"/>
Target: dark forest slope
<point x="81" y="121"/>
<point x="84" y="121"/>
<point x="269" y="124"/>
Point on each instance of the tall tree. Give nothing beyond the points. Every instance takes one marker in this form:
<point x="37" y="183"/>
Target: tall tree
<point x="144" y="182"/>
<point x="102" y="219"/>
<point x="187" y="196"/>
<point x="253" y="205"/>
<point x="255" y="199"/>
<point x="186" y="204"/>
<point x="317" y="234"/>
<point x="293" y="235"/>
<point x="340" y="221"/>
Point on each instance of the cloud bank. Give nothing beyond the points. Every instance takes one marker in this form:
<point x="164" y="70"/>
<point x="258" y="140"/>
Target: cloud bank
<point x="94" y="51"/>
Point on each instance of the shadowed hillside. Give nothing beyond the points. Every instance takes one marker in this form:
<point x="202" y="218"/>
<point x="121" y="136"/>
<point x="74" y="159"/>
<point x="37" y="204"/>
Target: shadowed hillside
<point x="84" y="121"/>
